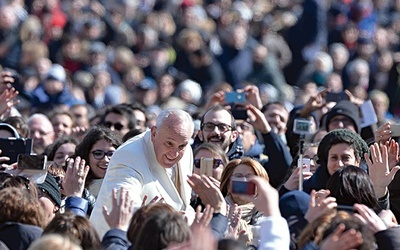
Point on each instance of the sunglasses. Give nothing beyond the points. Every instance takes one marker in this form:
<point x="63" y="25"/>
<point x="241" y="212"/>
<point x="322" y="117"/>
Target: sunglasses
<point x="117" y="126"/>
<point x="216" y="163"/>
<point x="99" y="154"/>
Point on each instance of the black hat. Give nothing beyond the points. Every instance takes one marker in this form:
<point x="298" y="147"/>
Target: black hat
<point x="345" y="108"/>
<point x="337" y="136"/>
<point x="50" y="186"/>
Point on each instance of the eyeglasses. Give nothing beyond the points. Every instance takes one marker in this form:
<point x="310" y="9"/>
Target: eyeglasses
<point x="99" y="154"/>
<point x="117" y="126"/>
<point x="244" y="126"/>
<point x="216" y="163"/>
<point x="222" y="127"/>
<point x="240" y="175"/>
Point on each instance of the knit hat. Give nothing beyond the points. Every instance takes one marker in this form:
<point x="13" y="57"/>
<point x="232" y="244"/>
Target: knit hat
<point x="50" y="186"/>
<point x="341" y="136"/>
<point x="345" y="108"/>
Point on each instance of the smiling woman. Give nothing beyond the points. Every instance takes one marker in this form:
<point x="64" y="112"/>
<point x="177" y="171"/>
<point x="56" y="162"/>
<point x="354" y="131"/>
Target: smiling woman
<point x="96" y="148"/>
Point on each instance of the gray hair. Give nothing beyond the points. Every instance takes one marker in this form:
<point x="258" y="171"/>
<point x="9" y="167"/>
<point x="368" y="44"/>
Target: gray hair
<point x="182" y="117"/>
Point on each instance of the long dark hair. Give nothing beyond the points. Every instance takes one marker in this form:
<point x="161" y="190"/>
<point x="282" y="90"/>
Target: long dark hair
<point x="94" y="135"/>
<point x="350" y="185"/>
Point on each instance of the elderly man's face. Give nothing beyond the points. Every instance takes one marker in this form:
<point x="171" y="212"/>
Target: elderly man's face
<point x="42" y="133"/>
<point x="170" y="142"/>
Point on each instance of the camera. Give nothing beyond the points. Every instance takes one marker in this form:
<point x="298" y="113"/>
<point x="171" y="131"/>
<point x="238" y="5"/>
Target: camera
<point x="302" y="126"/>
<point x="33" y="167"/>
<point x="242" y="186"/>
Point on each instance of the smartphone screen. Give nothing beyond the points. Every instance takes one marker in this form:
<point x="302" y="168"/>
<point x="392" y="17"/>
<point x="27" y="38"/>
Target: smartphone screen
<point x="206" y="166"/>
<point x="243" y="187"/>
<point x="307" y="162"/>
<point x="34" y="162"/>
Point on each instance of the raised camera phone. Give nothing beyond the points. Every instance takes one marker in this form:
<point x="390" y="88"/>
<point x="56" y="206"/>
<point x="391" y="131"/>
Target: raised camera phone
<point x="32" y="162"/>
<point x="206" y="166"/>
<point x="307" y="162"/>
<point x="235" y="97"/>
<point x="239" y="114"/>
<point x="243" y="186"/>
<point x="395" y="130"/>
<point x="302" y="126"/>
<point x="12" y="147"/>
<point x="336" y="97"/>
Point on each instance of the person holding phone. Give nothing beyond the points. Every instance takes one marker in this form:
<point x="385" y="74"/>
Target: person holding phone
<point x="243" y="169"/>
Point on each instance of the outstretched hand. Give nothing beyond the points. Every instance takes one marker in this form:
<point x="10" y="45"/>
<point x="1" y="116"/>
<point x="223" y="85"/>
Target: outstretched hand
<point x="75" y="177"/>
<point x="319" y="204"/>
<point x="379" y="171"/>
<point x="343" y="240"/>
<point x="122" y="210"/>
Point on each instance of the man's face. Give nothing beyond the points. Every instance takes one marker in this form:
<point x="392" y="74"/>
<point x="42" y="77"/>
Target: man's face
<point x="140" y="119"/>
<point x="62" y="125"/>
<point x="117" y="123"/>
<point x="277" y="117"/>
<point x="245" y="129"/>
<point x="341" y="121"/>
<point x="213" y="134"/>
<point x="42" y="133"/>
<point x="170" y="143"/>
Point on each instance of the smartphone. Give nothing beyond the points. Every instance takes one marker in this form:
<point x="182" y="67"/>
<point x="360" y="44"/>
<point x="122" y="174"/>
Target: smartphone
<point x="206" y="166"/>
<point x="395" y="130"/>
<point x="33" y="167"/>
<point x="235" y="97"/>
<point x="243" y="187"/>
<point x="33" y="162"/>
<point x="239" y="114"/>
<point x="349" y="209"/>
<point x="336" y="97"/>
<point x="12" y="147"/>
<point x="307" y="162"/>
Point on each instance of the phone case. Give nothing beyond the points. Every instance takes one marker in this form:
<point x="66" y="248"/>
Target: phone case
<point x="206" y="166"/>
<point x="12" y="147"/>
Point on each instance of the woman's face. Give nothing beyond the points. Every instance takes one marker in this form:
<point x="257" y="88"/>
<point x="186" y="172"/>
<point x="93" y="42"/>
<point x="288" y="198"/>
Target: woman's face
<point x="99" y="165"/>
<point x="217" y="172"/>
<point x="340" y="155"/>
<point x="311" y="153"/>
<point x="63" y="152"/>
<point x="242" y="170"/>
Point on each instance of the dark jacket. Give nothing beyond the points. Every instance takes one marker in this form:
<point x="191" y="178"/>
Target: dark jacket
<point x="279" y="158"/>
<point x="19" y="236"/>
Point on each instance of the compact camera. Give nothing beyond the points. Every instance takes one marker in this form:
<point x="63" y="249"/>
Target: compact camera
<point x="302" y="126"/>
<point x="242" y="186"/>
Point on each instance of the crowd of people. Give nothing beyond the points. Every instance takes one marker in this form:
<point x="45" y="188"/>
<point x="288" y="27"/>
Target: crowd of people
<point x="201" y="124"/>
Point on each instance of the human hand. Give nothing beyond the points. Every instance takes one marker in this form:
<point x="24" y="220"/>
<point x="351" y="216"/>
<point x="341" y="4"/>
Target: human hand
<point x="379" y="171"/>
<point x="7" y="100"/>
<point x="203" y="219"/>
<point x="339" y="239"/>
<point x="369" y="218"/>
<point x="253" y="95"/>
<point x="323" y="206"/>
<point x="293" y="182"/>
<point x="75" y="177"/>
<point x="314" y="103"/>
<point x="208" y="192"/>
<point x="215" y="99"/>
<point x="154" y="200"/>
<point x="257" y="119"/>
<point x="388" y="218"/>
<point x="393" y="153"/>
<point x="234" y="216"/>
<point x="383" y="133"/>
<point x="122" y="210"/>
<point x="354" y="99"/>
<point x="266" y="199"/>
